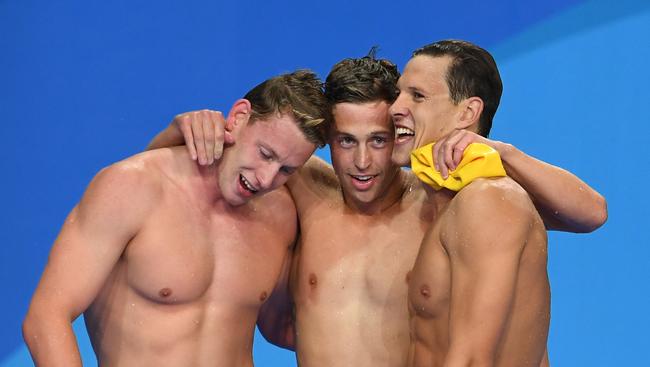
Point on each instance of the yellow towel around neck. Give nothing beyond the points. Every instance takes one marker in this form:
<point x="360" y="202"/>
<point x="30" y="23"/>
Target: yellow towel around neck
<point x="479" y="160"/>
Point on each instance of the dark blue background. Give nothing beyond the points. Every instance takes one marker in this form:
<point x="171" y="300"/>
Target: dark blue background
<point x="87" y="83"/>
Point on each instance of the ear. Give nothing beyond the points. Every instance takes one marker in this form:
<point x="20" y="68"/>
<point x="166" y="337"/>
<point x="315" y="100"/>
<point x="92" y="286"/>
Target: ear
<point x="239" y="114"/>
<point x="470" y="114"/>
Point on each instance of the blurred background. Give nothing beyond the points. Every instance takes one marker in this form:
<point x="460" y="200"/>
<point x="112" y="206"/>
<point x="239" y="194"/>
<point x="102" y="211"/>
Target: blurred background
<point x="87" y="83"/>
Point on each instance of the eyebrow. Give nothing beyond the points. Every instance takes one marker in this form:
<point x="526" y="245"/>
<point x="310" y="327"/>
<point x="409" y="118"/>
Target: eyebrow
<point x="377" y="132"/>
<point x="416" y="89"/>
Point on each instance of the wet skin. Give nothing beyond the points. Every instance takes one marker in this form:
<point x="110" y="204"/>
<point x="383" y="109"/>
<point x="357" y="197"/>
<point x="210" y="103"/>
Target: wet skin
<point x="169" y="260"/>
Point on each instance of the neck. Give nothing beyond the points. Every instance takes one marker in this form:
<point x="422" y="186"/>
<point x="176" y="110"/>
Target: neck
<point x="206" y="182"/>
<point x="438" y="199"/>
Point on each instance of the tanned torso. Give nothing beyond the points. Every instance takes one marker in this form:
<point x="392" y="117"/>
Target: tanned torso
<point x="522" y="340"/>
<point x="187" y="288"/>
<point x="349" y="278"/>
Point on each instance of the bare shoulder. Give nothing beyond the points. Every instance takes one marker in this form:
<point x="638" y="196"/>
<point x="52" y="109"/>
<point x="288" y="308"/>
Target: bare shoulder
<point x="279" y="199"/>
<point x="276" y="213"/>
<point x="316" y="176"/>
<point x="499" y="195"/>
<point x="124" y="187"/>
<point x="490" y="211"/>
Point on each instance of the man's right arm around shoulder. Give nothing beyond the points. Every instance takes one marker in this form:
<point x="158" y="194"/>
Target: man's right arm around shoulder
<point x="93" y="237"/>
<point x="203" y="133"/>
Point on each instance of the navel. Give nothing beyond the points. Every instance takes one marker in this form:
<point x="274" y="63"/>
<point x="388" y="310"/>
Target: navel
<point x="165" y="292"/>
<point x="425" y="291"/>
<point x="263" y="296"/>
<point x="313" y="280"/>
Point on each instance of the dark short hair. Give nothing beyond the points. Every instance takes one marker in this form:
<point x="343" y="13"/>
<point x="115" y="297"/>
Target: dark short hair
<point x="361" y="80"/>
<point x="299" y="93"/>
<point x="472" y="73"/>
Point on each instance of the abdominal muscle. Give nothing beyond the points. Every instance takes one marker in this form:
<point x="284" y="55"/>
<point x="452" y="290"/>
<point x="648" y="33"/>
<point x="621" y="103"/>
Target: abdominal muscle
<point x="127" y="328"/>
<point x="355" y="335"/>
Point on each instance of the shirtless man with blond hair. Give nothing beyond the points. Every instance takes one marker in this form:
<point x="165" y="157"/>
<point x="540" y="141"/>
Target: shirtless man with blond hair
<point x="362" y="222"/>
<point x="170" y="261"/>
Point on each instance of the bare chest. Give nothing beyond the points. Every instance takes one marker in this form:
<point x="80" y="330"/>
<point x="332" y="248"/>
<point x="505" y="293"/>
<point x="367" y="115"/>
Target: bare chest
<point x="343" y="259"/>
<point x="184" y="256"/>
<point x="429" y="287"/>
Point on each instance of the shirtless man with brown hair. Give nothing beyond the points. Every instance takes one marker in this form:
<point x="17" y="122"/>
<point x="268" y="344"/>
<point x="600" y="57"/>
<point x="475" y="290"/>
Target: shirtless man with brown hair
<point x="170" y="261"/>
<point x="362" y="223"/>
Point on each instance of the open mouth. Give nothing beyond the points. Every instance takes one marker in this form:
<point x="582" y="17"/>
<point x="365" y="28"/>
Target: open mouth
<point x="247" y="185"/>
<point x="362" y="178"/>
<point x="403" y="134"/>
<point x="363" y="182"/>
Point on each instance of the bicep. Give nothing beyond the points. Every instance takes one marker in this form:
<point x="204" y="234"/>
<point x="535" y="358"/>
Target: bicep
<point x="77" y="266"/>
<point x="89" y="244"/>
<point x="481" y="298"/>
<point x="488" y="239"/>
<point x="314" y="173"/>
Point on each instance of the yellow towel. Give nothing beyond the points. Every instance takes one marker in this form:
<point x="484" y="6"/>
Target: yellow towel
<point x="479" y="160"/>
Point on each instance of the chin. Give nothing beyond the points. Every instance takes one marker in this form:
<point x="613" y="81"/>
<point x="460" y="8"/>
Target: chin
<point x="400" y="159"/>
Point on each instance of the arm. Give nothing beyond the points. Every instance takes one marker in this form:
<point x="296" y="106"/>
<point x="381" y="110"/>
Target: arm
<point x="484" y="241"/>
<point x="201" y="131"/>
<point x="564" y="201"/>
<point x="275" y="319"/>
<point x="82" y="257"/>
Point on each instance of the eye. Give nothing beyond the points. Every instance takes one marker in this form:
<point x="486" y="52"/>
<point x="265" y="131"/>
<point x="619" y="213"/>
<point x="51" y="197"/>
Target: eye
<point x="379" y="141"/>
<point x="346" y="142"/>
<point x="417" y="95"/>
<point x="287" y="170"/>
<point x="266" y="155"/>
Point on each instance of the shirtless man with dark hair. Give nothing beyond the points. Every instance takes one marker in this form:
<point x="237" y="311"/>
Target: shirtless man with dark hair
<point x="478" y="293"/>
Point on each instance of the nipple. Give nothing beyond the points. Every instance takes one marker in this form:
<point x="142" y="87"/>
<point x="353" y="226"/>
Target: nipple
<point x="313" y="281"/>
<point x="165" y="292"/>
<point x="425" y="291"/>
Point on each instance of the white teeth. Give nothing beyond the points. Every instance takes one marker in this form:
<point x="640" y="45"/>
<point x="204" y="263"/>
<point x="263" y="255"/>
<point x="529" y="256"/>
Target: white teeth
<point x="404" y="131"/>
<point x="247" y="184"/>
<point x="362" y="178"/>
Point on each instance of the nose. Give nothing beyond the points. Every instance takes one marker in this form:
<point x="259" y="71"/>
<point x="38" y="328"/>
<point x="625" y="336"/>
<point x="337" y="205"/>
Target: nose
<point x="362" y="157"/>
<point x="398" y="109"/>
<point x="266" y="175"/>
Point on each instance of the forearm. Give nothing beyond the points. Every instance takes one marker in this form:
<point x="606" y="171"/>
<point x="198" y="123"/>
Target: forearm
<point x="565" y="201"/>
<point x="169" y="137"/>
<point x="51" y="340"/>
